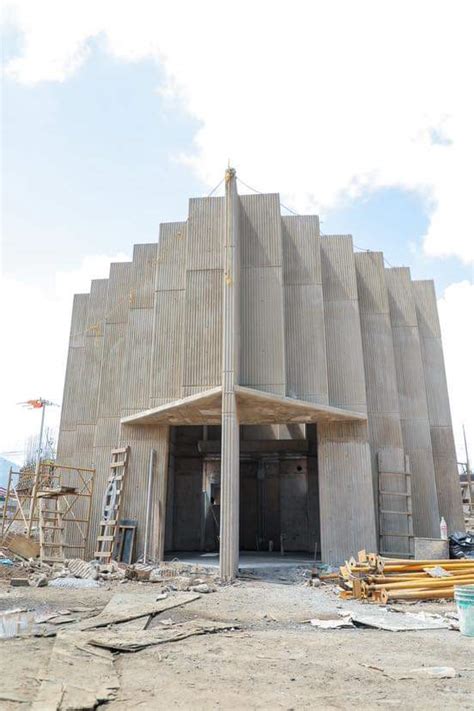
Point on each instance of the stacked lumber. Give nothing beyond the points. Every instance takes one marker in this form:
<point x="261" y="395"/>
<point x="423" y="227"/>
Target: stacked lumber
<point x="382" y="580"/>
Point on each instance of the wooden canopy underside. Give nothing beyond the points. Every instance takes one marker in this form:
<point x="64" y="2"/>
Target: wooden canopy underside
<point x="254" y="407"/>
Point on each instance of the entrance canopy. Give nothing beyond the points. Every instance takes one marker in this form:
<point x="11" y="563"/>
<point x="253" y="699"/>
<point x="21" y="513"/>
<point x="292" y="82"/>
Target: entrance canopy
<point x="254" y="407"/>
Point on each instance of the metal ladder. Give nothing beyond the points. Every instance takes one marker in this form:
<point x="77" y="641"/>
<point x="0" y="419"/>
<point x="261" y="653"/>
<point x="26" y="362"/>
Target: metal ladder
<point x="51" y="528"/>
<point x="109" y="525"/>
<point x="395" y="486"/>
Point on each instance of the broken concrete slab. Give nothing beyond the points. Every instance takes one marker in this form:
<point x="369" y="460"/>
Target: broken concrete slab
<point x="130" y="606"/>
<point x="133" y="640"/>
<point x="332" y="621"/>
<point x="388" y="620"/>
<point x="399" y="622"/>
<point x="75" y="678"/>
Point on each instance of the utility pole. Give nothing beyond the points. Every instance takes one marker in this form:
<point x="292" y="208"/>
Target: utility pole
<point x="35" y="405"/>
<point x="468" y="470"/>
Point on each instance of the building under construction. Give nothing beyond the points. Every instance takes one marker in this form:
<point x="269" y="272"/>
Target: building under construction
<point x="293" y="391"/>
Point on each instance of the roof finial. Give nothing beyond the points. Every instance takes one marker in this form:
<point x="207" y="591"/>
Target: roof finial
<point x="230" y="173"/>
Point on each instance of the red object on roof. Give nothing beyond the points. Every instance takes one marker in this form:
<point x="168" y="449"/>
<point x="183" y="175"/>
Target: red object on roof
<point x="35" y="403"/>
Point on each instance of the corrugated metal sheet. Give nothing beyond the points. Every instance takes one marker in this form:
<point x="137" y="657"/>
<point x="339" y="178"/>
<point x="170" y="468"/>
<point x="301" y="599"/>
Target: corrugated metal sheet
<point x="136" y="373"/>
<point x="107" y="432"/>
<point x="426" y="308"/>
<point x="345" y="491"/>
<point x="447" y="479"/>
<point x="306" y="370"/>
<point x="444" y="457"/>
<point x="96" y="307"/>
<point x="118" y="294"/>
<point x="79" y="320"/>
<point x="66" y="447"/>
<point x="371" y="287"/>
<point x="262" y="354"/>
<point x="346" y="378"/>
<point x="87" y="394"/>
<point x="171" y="262"/>
<point x="344" y="458"/>
<point x="84" y="445"/>
<point x="410" y="377"/>
<point x="206" y="225"/>
<point x="379" y="361"/>
<point x="73" y="379"/>
<point x="402" y="305"/>
<point x="115" y="340"/>
<point x="384" y="429"/>
<point x="337" y="268"/>
<point x="142" y="292"/>
<point x="412" y="401"/>
<point x="167" y="357"/>
<point x="203" y="328"/>
<point x="305" y="342"/>
<point x="417" y="441"/>
<point x="141" y="440"/>
<point x="188" y="390"/>
<point x="435" y="382"/>
<point x="73" y="385"/>
<point x="381" y="387"/>
<point x="260" y="231"/>
<point x="301" y="249"/>
<point x="345" y="363"/>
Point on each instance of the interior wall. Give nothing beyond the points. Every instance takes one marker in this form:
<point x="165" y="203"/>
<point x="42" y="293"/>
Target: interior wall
<point x="278" y="495"/>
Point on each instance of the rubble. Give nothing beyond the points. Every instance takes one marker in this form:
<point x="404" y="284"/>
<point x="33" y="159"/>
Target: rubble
<point x="38" y="580"/>
<point x="202" y="588"/>
<point x="75" y="583"/>
<point x="175" y="576"/>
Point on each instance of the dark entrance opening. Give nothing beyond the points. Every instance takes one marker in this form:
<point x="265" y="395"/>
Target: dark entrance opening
<point x="279" y="501"/>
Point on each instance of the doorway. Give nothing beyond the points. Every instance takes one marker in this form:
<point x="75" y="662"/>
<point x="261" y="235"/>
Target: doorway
<point x="279" y="501"/>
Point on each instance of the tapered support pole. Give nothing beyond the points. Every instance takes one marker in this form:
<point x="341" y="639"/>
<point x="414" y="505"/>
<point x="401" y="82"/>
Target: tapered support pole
<point x="230" y="457"/>
<point x="34" y="490"/>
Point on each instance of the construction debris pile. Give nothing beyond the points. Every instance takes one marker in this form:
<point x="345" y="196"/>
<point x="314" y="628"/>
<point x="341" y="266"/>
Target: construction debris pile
<point x="74" y="573"/>
<point x="34" y="573"/>
<point x="383" y="580"/>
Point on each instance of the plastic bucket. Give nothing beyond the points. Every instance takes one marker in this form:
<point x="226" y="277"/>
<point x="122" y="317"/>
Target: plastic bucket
<point x="464" y="596"/>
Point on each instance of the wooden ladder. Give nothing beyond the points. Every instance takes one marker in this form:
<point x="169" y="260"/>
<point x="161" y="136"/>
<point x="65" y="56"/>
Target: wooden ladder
<point x="109" y="525"/>
<point x="51" y="528"/>
<point x="395" y="486"/>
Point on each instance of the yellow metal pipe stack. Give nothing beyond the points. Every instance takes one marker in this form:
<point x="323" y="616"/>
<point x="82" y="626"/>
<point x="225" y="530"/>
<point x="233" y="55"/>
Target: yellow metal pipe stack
<point x="378" y="579"/>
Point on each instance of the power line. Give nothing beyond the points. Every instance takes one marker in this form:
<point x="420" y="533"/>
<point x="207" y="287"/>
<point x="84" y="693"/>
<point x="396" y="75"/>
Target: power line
<point x="216" y="188"/>
<point x="260" y="193"/>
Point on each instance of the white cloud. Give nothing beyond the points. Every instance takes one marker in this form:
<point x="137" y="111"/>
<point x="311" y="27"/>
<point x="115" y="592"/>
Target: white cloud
<point x="35" y="324"/>
<point x="316" y="100"/>
<point x="455" y="312"/>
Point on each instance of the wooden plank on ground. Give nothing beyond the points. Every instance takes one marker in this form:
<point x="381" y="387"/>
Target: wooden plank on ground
<point x="134" y="640"/>
<point x="130" y="606"/>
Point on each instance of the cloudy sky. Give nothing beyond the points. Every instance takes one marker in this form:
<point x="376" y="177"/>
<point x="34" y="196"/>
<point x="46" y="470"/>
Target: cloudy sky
<point x="115" y="112"/>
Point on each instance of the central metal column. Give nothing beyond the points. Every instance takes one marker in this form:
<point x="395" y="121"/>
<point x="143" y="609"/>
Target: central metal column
<point x="230" y="453"/>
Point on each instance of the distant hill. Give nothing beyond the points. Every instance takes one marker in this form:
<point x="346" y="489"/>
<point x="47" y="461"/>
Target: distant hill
<point x="5" y="465"/>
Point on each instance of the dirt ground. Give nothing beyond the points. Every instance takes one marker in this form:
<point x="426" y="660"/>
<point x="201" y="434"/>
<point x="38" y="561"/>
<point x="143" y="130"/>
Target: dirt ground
<point x="276" y="659"/>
